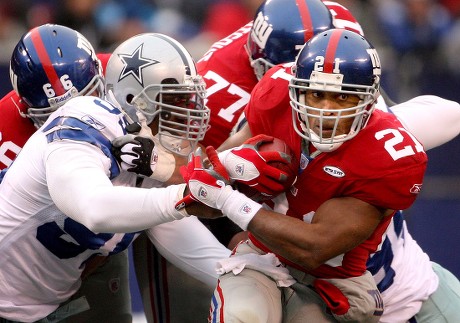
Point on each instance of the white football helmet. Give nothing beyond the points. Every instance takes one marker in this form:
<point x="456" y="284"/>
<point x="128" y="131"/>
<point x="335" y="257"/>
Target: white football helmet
<point x="155" y="75"/>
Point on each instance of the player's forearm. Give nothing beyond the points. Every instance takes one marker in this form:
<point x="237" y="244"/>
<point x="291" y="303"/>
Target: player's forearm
<point x="126" y="209"/>
<point x="237" y="139"/>
<point x="190" y="246"/>
<point x="337" y="226"/>
<point x="81" y="190"/>
<point x="287" y="237"/>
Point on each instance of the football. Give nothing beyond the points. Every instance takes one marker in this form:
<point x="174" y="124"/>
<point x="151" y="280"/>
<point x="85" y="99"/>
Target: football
<point x="291" y="169"/>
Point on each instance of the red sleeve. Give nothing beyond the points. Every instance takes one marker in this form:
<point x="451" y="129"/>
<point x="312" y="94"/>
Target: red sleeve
<point x="229" y="81"/>
<point x="391" y="174"/>
<point x="269" y="111"/>
<point x="104" y="58"/>
<point x="397" y="190"/>
<point x="15" y="129"/>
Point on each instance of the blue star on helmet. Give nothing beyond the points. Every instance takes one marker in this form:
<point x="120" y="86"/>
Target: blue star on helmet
<point x="134" y="63"/>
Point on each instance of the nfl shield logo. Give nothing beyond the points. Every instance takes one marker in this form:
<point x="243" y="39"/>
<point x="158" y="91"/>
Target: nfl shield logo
<point x="114" y="285"/>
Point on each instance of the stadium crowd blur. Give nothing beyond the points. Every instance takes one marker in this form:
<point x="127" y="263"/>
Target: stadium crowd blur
<point x="418" y="40"/>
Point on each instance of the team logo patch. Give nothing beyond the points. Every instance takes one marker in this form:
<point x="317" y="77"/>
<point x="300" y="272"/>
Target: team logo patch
<point x="303" y="161"/>
<point x="92" y="122"/>
<point x="203" y="193"/>
<point x="239" y="169"/>
<point x="114" y="285"/>
<point x="246" y="209"/>
<point x="134" y="63"/>
<point x="334" y="171"/>
<point x="416" y="188"/>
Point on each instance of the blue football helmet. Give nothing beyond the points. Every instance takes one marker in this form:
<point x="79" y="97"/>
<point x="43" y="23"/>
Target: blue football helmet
<point x="339" y="61"/>
<point x="50" y="65"/>
<point x="280" y="28"/>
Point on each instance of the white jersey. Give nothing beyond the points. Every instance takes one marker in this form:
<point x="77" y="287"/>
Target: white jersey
<point x="65" y="168"/>
<point x="187" y="244"/>
<point x="431" y="119"/>
<point x="402" y="271"/>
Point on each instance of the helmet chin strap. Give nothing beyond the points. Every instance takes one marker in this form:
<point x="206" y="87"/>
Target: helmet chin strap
<point x="166" y="163"/>
<point x="145" y="131"/>
<point x="324" y="147"/>
<point x="316" y="140"/>
<point x="175" y="145"/>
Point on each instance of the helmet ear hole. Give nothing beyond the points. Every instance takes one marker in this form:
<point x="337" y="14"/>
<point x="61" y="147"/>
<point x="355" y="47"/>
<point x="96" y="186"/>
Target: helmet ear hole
<point x="129" y="98"/>
<point x="169" y="81"/>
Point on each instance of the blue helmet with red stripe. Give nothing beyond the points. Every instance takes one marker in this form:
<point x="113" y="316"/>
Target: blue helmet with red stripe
<point x="281" y="27"/>
<point x="338" y="61"/>
<point x="51" y="64"/>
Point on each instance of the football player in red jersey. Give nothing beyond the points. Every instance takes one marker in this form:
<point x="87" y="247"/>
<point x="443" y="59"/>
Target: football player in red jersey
<point x="415" y="114"/>
<point x="229" y="75"/>
<point x="233" y="65"/>
<point x="226" y="69"/>
<point x="403" y="298"/>
<point x="16" y="126"/>
<point x="336" y="213"/>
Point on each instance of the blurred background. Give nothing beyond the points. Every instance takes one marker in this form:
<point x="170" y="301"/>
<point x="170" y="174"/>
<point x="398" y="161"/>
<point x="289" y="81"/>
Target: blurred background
<point x="418" y="42"/>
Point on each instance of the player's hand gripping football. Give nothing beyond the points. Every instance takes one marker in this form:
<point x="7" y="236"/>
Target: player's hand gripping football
<point x="136" y="154"/>
<point x="247" y="165"/>
<point x="209" y="186"/>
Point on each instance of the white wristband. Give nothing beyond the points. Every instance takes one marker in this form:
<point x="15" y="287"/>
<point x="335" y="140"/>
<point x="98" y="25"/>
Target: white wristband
<point x="166" y="163"/>
<point x="240" y="209"/>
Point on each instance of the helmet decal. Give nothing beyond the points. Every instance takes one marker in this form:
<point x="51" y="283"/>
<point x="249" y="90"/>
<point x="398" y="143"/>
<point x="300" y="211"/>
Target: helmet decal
<point x="330" y="62"/>
<point x="134" y="63"/>
<point x="281" y="28"/>
<point x="305" y="17"/>
<point x="186" y="59"/>
<point x="261" y="30"/>
<point x="165" y="88"/>
<point x="335" y="61"/>
<point x="46" y="62"/>
<point x="52" y="64"/>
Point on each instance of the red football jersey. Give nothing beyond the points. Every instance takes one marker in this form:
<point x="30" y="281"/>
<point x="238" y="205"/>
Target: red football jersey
<point x="343" y="17"/>
<point x="383" y="165"/>
<point x="16" y="129"/>
<point x="229" y="80"/>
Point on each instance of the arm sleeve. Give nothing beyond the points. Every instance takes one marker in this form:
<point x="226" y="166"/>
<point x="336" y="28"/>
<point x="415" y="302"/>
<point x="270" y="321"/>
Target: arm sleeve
<point x="77" y="178"/>
<point x="190" y="246"/>
<point x="431" y="119"/>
